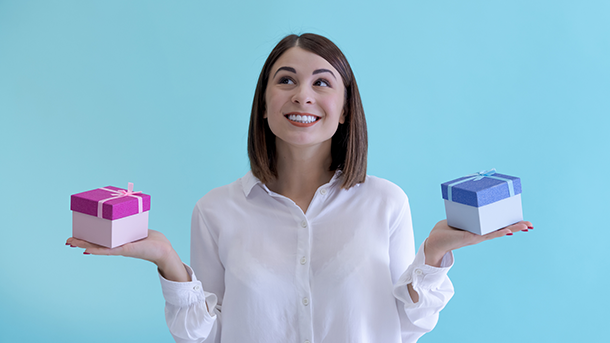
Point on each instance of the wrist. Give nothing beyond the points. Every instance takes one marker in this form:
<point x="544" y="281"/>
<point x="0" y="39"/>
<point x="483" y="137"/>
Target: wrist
<point x="433" y="256"/>
<point x="172" y="268"/>
<point x="166" y="259"/>
<point x="164" y="256"/>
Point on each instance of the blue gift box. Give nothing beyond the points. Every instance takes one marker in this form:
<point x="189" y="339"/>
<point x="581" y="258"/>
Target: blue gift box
<point x="483" y="202"/>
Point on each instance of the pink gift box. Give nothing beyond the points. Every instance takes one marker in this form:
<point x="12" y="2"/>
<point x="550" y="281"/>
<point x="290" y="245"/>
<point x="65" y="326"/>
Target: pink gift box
<point x="110" y="216"/>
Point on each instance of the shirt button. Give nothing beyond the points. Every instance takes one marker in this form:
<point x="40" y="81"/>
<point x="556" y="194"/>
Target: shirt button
<point x="304" y="223"/>
<point x="323" y="191"/>
<point x="306" y="341"/>
<point x="196" y="287"/>
<point x="418" y="272"/>
<point x="305" y="301"/>
<point x="303" y="260"/>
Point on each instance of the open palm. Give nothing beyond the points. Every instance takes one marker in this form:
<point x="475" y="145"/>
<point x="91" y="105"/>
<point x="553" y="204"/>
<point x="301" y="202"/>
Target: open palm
<point x="444" y="238"/>
<point x="152" y="248"/>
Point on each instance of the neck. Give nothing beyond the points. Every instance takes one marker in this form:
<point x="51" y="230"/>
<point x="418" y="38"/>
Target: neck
<point x="301" y="171"/>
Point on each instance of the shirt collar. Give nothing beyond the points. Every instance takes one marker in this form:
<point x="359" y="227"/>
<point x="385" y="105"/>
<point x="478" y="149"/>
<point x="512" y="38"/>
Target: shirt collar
<point x="249" y="181"/>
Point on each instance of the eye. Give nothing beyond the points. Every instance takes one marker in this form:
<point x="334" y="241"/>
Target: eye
<point x="286" y="81"/>
<point x="322" y="83"/>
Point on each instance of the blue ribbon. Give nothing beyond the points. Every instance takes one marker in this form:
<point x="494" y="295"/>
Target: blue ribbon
<point x="478" y="176"/>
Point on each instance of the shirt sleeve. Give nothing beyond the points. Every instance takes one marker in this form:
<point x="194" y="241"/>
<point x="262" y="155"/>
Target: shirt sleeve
<point x="431" y="283"/>
<point x="193" y="314"/>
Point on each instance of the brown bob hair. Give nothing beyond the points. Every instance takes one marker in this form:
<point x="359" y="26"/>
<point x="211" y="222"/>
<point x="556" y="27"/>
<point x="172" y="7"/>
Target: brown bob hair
<point x="349" y="144"/>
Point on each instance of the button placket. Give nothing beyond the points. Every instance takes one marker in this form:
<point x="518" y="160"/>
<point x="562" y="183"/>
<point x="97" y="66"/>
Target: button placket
<point x="303" y="276"/>
<point x="303" y="250"/>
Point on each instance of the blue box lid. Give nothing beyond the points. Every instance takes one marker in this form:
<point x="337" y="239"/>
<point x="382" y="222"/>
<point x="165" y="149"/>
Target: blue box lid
<point x="481" y="192"/>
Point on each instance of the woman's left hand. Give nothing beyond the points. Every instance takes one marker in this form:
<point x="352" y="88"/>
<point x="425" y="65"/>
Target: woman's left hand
<point x="443" y="238"/>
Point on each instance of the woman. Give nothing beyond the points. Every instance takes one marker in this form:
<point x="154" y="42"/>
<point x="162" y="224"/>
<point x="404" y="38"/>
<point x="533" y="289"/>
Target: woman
<point x="306" y="247"/>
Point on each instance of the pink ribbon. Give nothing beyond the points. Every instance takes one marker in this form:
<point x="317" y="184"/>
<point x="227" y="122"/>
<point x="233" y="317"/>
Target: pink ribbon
<point x="119" y="193"/>
<point x="129" y="191"/>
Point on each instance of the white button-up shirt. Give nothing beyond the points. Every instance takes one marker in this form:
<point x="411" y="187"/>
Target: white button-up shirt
<point x="338" y="273"/>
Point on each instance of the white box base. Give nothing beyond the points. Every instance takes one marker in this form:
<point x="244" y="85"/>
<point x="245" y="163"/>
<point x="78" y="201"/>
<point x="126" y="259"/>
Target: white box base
<point x="484" y="219"/>
<point x="109" y="233"/>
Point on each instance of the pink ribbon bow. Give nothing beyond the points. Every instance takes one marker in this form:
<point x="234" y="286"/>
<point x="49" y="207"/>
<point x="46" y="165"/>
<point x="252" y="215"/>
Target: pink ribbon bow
<point x="119" y="193"/>
<point x="124" y="193"/>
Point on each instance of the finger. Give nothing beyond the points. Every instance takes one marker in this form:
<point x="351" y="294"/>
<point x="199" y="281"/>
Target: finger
<point x="520" y="226"/>
<point x="70" y="242"/>
<point x="79" y="243"/>
<point x="97" y="250"/>
<point x="496" y="234"/>
<point x="91" y="248"/>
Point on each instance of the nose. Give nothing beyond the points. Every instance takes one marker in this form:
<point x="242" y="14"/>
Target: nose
<point x="303" y="95"/>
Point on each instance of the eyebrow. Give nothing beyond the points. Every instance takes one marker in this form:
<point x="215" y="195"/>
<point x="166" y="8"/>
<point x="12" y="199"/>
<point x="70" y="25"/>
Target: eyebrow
<point x="317" y="71"/>
<point x="287" y="69"/>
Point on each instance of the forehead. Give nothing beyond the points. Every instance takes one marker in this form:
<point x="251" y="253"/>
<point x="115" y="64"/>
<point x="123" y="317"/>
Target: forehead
<point x="302" y="61"/>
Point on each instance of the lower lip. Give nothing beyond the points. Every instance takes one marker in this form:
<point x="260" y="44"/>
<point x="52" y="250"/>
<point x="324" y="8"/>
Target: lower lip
<point x="296" y="123"/>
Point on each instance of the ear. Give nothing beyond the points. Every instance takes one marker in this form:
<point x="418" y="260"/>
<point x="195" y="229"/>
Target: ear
<point x="265" y="115"/>
<point x="342" y="117"/>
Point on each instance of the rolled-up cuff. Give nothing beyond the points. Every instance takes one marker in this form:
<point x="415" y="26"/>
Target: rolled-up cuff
<point x="184" y="294"/>
<point x="424" y="276"/>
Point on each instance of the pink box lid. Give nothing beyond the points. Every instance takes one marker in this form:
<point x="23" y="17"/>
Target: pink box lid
<point x="115" y="208"/>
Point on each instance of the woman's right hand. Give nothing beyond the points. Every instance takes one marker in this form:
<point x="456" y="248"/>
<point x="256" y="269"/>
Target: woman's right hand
<point x="155" y="248"/>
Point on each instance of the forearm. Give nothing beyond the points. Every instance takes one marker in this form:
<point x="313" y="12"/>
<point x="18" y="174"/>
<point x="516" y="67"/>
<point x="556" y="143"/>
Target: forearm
<point x="422" y="290"/>
<point x="432" y="258"/>
<point x="187" y="311"/>
<point x="414" y="295"/>
<point x="171" y="268"/>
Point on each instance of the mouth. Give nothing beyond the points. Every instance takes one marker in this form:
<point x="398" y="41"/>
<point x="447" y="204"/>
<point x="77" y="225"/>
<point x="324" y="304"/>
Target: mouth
<point x="302" y="119"/>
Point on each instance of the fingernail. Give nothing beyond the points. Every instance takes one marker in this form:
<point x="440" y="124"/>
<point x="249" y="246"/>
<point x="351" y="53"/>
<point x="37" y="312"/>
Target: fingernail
<point x="509" y="234"/>
<point x="530" y="227"/>
<point x="86" y="253"/>
<point x="72" y="246"/>
<point x="68" y="244"/>
<point x="524" y="230"/>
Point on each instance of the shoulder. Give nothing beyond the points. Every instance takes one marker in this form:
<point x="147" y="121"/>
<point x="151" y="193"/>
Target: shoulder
<point x="377" y="187"/>
<point x="375" y="195"/>
<point x="377" y="198"/>
<point x="224" y="196"/>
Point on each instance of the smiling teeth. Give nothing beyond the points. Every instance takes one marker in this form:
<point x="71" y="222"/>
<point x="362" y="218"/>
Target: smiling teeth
<point x="302" y="119"/>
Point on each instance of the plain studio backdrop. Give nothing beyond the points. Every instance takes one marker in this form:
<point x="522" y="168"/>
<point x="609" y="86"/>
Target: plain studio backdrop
<point x="98" y="93"/>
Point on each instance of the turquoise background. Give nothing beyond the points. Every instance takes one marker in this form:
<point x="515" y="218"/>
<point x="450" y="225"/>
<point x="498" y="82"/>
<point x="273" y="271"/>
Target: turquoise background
<point x="97" y="93"/>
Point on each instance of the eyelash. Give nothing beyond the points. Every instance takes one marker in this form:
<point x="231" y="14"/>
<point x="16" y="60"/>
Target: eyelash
<point x="285" y="80"/>
<point x="323" y="80"/>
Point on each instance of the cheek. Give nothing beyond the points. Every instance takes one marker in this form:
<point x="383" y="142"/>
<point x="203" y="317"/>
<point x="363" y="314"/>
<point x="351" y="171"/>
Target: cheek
<point x="338" y="106"/>
<point x="272" y="105"/>
<point x="272" y="113"/>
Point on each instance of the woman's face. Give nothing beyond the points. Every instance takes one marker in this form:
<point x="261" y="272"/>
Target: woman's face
<point x="304" y="99"/>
